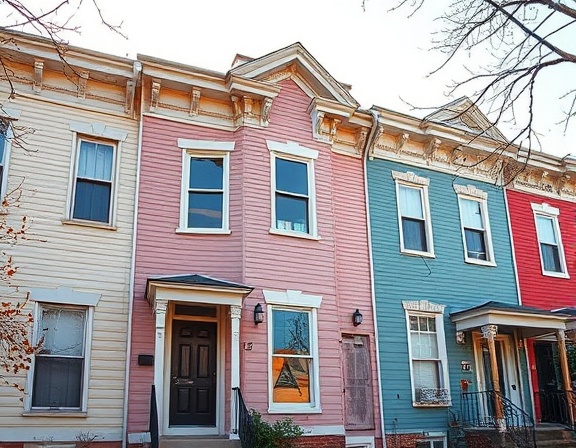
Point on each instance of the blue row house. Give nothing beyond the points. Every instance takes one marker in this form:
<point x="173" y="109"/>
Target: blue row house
<point x="450" y="324"/>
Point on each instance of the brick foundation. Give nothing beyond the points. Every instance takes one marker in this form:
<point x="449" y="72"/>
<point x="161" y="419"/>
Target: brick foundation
<point x="321" y="442"/>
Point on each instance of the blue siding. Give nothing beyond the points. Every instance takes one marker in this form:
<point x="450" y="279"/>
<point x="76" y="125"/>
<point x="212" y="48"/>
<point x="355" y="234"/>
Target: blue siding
<point x="445" y="280"/>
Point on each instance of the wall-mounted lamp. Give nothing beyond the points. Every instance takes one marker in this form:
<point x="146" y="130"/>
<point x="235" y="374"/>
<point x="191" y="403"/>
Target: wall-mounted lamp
<point x="356" y="318"/>
<point x="258" y="314"/>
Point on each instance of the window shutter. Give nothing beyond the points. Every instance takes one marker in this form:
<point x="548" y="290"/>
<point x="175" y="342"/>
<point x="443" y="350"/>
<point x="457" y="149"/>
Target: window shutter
<point x="357" y="373"/>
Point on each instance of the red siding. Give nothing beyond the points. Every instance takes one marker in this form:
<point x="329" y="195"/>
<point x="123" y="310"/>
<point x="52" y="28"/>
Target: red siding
<point x="536" y="289"/>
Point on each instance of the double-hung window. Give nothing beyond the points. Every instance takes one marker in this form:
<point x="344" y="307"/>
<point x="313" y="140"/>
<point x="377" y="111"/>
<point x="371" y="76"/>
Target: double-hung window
<point x="94" y="181"/>
<point x="293" y="190"/>
<point x="475" y="225"/>
<point x="94" y="173"/>
<point x="205" y="186"/>
<point x="293" y="352"/>
<point x="549" y="240"/>
<point x="58" y="372"/>
<point x="427" y="351"/>
<point x="413" y="214"/>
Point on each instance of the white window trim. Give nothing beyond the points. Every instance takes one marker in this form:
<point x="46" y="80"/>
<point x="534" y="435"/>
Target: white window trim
<point x="98" y="133"/>
<point x="428" y="309"/>
<point x="295" y="152"/>
<point x="85" y="371"/>
<point x="292" y="300"/>
<point x="473" y="193"/>
<point x="204" y="148"/>
<point x="7" y="152"/>
<point x="547" y="211"/>
<point x="409" y="179"/>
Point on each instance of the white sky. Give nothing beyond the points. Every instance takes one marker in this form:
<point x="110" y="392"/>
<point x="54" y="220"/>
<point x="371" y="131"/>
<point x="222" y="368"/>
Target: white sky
<point x="382" y="54"/>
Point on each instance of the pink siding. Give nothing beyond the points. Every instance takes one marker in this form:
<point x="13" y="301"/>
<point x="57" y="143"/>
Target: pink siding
<point x="335" y="267"/>
<point x="539" y="290"/>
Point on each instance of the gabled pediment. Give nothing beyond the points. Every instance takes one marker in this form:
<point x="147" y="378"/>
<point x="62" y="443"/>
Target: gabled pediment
<point x="297" y="63"/>
<point x="465" y="115"/>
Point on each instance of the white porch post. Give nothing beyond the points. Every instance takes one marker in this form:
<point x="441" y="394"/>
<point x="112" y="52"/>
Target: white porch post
<point x="235" y="314"/>
<point x="160" y="307"/>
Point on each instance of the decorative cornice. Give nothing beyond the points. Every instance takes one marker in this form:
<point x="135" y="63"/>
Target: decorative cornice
<point x="155" y="94"/>
<point x="423" y="305"/>
<point x="361" y="135"/>
<point x="82" y="81"/>
<point x="410" y="177"/>
<point x="266" y="106"/>
<point x="545" y="209"/>
<point x="401" y="141"/>
<point x="194" y="101"/>
<point x="38" y="73"/>
<point x="470" y="190"/>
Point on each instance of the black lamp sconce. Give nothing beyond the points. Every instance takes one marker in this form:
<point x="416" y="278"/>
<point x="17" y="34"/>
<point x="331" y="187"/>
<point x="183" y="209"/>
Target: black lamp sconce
<point x="258" y="314"/>
<point x="357" y="317"/>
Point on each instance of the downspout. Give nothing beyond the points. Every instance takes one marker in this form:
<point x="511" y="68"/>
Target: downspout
<point x="369" y="144"/>
<point x="137" y="66"/>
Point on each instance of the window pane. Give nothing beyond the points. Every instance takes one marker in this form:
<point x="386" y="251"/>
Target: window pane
<point x="546" y="232"/>
<point x="414" y="234"/>
<point x="475" y="244"/>
<point x="424" y="345"/>
<point x="57" y="382"/>
<point x="63" y="332"/>
<point x="551" y="258"/>
<point x="471" y="214"/>
<point x="205" y="210"/>
<point x="92" y="201"/>
<point x="291" y="176"/>
<point x="291" y="332"/>
<point x="411" y="202"/>
<point x="95" y="161"/>
<point x="291" y="213"/>
<point x="291" y="380"/>
<point x="413" y="323"/>
<point x="426" y="374"/>
<point x="206" y="174"/>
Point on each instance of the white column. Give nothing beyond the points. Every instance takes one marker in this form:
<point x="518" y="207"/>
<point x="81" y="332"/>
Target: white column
<point x="235" y="314"/>
<point x="160" y="307"/>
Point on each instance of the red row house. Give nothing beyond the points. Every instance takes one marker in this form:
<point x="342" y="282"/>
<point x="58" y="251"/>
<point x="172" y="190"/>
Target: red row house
<point x="542" y="208"/>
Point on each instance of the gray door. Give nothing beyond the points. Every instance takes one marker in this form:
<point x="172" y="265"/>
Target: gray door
<point x="193" y="374"/>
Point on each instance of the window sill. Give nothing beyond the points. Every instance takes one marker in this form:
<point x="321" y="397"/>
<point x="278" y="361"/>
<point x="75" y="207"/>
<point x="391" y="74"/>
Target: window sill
<point x="479" y="262"/>
<point x="292" y="233"/>
<point x="555" y="274"/>
<point x="55" y="413"/>
<point x="414" y="253"/>
<point x="293" y="410"/>
<point x="81" y="223"/>
<point x="444" y="404"/>
<point x="186" y="231"/>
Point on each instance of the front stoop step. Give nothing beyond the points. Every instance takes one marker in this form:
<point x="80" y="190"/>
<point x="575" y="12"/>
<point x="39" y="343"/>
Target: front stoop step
<point x="552" y="437"/>
<point x="199" y="442"/>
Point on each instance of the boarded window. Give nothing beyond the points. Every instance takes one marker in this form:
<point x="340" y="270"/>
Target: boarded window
<point x="357" y="373"/>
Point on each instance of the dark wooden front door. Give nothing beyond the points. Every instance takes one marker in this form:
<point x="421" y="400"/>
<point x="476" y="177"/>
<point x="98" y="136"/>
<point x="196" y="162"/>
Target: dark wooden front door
<point x="193" y="374"/>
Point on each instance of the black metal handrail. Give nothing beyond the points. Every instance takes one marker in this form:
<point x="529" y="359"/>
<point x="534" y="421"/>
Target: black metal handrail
<point x="555" y="406"/>
<point x="153" y="425"/>
<point x="479" y="410"/>
<point x="244" y="425"/>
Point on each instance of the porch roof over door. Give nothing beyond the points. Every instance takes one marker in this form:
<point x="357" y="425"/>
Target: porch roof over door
<point x="195" y="288"/>
<point x="531" y="322"/>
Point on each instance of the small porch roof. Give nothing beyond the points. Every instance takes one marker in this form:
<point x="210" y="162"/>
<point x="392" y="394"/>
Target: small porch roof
<point x="195" y="288"/>
<point x="531" y="322"/>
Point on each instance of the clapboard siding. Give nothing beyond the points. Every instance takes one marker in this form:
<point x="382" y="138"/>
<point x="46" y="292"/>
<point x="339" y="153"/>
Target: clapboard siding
<point x="536" y="289"/>
<point x="445" y="279"/>
<point x="83" y="258"/>
<point x="250" y="254"/>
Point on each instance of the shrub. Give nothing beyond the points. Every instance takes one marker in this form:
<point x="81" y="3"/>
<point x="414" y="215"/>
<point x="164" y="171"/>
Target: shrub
<point x="280" y="434"/>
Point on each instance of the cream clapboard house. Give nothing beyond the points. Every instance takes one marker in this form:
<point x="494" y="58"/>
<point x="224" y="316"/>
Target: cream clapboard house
<point x="71" y="155"/>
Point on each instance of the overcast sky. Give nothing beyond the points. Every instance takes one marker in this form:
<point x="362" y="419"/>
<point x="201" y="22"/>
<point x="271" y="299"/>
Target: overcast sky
<point x="384" y="55"/>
